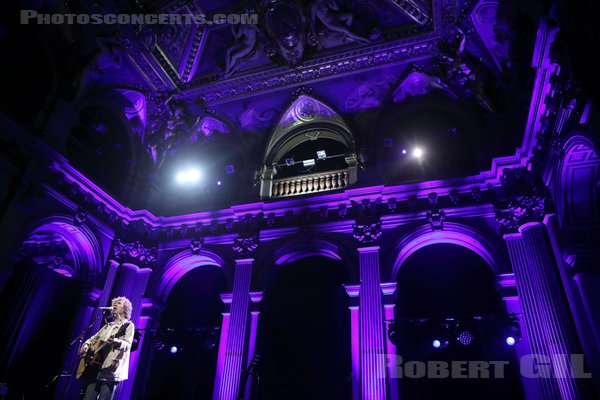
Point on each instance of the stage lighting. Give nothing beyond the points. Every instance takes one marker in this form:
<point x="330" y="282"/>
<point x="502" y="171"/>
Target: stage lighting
<point x="230" y="169"/>
<point x="289" y="162"/>
<point x="219" y="183"/>
<point x="321" y="154"/>
<point x="513" y="332"/>
<point x="308" y="163"/>
<point x="464" y="337"/>
<point x="173" y="349"/>
<point x="418" y="152"/>
<point x="192" y="175"/>
<point x="441" y="336"/>
<point x="181" y="177"/>
<point x="403" y="151"/>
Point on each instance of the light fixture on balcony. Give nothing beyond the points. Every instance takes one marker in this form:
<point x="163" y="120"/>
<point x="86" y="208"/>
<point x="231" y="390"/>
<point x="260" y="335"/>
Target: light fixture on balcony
<point x="289" y="161"/>
<point x="308" y="163"/>
<point x="321" y="154"/>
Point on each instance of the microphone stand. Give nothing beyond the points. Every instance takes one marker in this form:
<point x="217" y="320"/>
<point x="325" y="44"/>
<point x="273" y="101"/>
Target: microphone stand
<point x="71" y="368"/>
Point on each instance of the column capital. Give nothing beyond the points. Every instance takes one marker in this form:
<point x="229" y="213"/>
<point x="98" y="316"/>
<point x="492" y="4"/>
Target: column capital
<point x="91" y="296"/>
<point x="244" y="261"/>
<point x="368" y="249"/>
<point x="529" y="226"/>
<point x="512" y="236"/>
<point x="352" y="290"/>
<point x="256" y="297"/>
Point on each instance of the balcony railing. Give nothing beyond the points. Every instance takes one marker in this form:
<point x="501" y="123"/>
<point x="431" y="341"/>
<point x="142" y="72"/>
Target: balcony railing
<point x="313" y="183"/>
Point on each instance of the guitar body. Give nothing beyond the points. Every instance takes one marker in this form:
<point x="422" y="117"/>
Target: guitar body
<point x="92" y="360"/>
<point x="90" y="363"/>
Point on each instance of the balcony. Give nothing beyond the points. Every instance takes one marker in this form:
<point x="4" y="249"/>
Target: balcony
<point x="313" y="183"/>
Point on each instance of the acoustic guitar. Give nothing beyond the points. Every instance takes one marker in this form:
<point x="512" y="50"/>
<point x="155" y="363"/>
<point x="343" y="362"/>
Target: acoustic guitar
<point x="94" y="357"/>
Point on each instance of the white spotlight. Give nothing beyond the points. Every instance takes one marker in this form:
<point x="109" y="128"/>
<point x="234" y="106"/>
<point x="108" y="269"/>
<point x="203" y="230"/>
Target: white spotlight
<point x="181" y="177"/>
<point x="188" y="176"/>
<point x="193" y="175"/>
<point x="418" y="152"/>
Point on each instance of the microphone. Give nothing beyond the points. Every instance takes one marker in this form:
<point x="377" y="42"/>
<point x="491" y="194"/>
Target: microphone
<point x="105" y="308"/>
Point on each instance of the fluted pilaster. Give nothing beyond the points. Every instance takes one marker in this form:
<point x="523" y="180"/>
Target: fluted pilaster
<point x="234" y="351"/>
<point x="545" y="313"/>
<point x="372" y="346"/>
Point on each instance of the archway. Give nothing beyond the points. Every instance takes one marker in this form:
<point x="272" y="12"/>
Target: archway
<point x="311" y="150"/>
<point x="447" y="292"/>
<point x="185" y="343"/>
<point x="41" y="301"/>
<point x="304" y="332"/>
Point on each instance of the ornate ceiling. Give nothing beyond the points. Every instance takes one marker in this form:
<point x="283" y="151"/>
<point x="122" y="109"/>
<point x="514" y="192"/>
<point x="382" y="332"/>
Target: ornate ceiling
<point x="453" y="72"/>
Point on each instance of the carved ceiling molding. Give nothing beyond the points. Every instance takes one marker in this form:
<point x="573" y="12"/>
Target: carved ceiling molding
<point x="163" y="64"/>
<point x="332" y="66"/>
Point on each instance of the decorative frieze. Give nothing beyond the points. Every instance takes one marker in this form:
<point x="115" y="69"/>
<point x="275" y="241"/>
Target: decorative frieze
<point x="367" y="234"/>
<point x="134" y="252"/>
<point x="245" y="246"/>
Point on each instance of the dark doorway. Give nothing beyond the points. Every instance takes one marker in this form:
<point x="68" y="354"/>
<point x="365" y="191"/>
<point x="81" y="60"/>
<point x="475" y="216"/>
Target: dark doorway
<point x="444" y="290"/>
<point x="185" y="346"/>
<point x="304" y="333"/>
<point x="37" y="310"/>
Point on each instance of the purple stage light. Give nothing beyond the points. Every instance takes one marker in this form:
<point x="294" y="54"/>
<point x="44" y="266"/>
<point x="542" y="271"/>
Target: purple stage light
<point x="510" y="341"/>
<point x="173" y="349"/>
<point x="465" y="338"/>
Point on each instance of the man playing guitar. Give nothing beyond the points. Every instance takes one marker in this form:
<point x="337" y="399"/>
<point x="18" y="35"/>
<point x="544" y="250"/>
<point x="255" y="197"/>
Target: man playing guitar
<point x="105" y="356"/>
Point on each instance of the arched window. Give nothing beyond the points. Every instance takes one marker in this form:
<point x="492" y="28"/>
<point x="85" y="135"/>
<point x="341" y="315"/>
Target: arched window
<point x="312" y="150"/>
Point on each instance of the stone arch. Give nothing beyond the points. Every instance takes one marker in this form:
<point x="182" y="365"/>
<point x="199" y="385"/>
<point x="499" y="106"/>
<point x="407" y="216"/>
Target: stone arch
<point x="180" y="264"/>
<point x="83" y="244"/>
<point x="294" y="250"/>
<point x="453" y="233"/>
<point x="308" y="120"/>
<point x="577" y="178"/>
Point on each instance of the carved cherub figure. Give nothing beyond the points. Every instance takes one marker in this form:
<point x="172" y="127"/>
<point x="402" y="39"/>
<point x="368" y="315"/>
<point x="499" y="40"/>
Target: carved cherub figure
<point x="329" y="14"/>
<point x="246" y="36"/>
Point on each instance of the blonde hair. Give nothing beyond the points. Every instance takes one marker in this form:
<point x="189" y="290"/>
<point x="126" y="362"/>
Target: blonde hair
<point x="127" y="306"/>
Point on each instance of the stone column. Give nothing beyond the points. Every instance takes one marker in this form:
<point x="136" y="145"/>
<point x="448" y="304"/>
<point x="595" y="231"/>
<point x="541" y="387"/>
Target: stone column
<point x="545" y="314"/>
<point x="222" y="348"/>
<point x="580" y="283"/>
<point x="372" y="345"/>
<point x="131" y="282"/>
<point x="388" y="290"/>
<point x="229" y="379"/>
<point x="255" y="298"/>
<point x="353" y="291"/>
